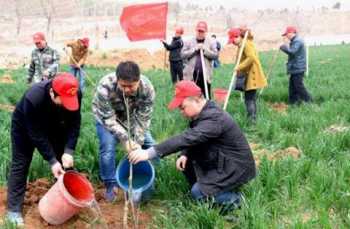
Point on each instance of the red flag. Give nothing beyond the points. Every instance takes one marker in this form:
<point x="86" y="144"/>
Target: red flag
<point x="145" y="21"/>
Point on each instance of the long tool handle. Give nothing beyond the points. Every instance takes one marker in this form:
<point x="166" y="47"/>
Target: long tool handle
<point x="233" y="79"/>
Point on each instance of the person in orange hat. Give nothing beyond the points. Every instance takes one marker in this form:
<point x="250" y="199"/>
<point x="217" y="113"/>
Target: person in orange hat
<point x="175" y="59"/>
<point x="216" y="158"/>
<point x="44" y="62"/>
<point x="296" y="66"/>
<point x="46" y="118"/>
<point x="250" y="75"/>
<point x="193" y="69"/>
<point x="77" y="60"/>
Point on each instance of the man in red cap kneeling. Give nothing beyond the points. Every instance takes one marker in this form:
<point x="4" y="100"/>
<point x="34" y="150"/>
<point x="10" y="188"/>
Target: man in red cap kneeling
<point x="46" y="118"/>
<point x="216" y="158"/>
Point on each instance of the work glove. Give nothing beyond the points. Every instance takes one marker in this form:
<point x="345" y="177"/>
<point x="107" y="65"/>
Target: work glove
<point x="181" y="163"/>
<point x="57" y="170"/>
<point x="130" y="145"/>
<point x="67" y="160"/>
<point x="138" y="155"/>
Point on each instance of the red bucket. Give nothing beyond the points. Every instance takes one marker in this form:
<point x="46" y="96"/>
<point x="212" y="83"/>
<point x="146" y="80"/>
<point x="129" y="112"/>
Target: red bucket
<point x="220" y="95"/>
<point x="66" y="197"/>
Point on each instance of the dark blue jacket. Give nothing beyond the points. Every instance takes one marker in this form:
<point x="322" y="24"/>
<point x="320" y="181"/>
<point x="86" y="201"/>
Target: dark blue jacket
<point x="174" y="49"/>
<point x="45" y="123"/>
<point x="296" y="56"/>
<point x="220" y="153"/>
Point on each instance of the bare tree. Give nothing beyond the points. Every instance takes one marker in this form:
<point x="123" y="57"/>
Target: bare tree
<point x="19" y="16"/>
<point x="48" y="11"/>
<point x="337" y="6"/>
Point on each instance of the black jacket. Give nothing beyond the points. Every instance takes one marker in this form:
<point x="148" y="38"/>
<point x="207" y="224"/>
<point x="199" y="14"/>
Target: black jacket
<point x="218" y="149"/>
<point x="174" y="48"/>
<point x="44" y="122"/>
<point x="296" y="56"/>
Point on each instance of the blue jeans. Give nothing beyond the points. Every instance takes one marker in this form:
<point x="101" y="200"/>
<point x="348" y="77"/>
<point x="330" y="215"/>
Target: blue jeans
<point x="107" y="160"/>
<point x="80" y="74"/>
<point x="222" y="198"/>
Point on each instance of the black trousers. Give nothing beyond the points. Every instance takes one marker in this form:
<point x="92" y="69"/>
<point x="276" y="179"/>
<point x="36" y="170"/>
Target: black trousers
<point x="250" y="104"/>
<point x="176" y="71"/>
<point x="198" y="79"/>
<point x="297" y="90"/>
<point x="22" y="154"/>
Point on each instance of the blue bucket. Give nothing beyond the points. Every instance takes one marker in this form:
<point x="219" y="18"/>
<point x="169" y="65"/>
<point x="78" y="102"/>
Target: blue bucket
<point x="143" y="178"/>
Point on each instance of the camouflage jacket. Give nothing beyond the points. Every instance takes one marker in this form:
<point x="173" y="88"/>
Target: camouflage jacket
<point x="109" y="108"/>
<point x="47" y="59"/>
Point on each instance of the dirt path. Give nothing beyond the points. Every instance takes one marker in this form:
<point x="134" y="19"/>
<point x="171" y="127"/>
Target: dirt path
<point x="112" y="212"/>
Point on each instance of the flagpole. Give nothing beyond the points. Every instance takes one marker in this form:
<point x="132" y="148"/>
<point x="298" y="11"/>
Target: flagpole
<point x="233" y="79"/>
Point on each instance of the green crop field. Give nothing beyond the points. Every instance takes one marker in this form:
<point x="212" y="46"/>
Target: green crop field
<point x="310" y="191"/>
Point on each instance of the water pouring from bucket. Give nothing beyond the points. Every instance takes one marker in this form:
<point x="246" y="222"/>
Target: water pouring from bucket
<point x="71" y="193"/>
<point x="142" y="182"/>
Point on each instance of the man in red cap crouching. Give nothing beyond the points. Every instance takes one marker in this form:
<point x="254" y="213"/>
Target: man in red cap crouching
<point x="46" y="118"/>
<point x="216" y="158"/>
<point x="77" y="60"/>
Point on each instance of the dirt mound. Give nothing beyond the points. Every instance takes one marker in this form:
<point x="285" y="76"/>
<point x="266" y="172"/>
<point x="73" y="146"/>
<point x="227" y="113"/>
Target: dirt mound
<point x="279" y="107"/>
<point x="259" y="153"/>
<point x="336" y="128"/>
<point x="8" y="108"/>
<point x="112" y="212"/>
<point x="6" y="79"/>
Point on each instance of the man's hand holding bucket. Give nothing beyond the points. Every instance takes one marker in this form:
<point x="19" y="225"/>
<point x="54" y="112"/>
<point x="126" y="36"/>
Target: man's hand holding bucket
<point x="139" y="155"/>
<point x="57" y="169"/>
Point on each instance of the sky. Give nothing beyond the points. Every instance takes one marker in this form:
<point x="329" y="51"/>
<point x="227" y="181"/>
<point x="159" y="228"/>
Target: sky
<point x="260" y="4"/>
<point x="274" y="4"/>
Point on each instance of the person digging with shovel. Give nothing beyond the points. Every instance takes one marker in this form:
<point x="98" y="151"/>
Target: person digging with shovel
<point x="215" y="156"/>
<point x="80" y="50"/>
<point x="250" y="75"/>
<point x="46" y="118"/>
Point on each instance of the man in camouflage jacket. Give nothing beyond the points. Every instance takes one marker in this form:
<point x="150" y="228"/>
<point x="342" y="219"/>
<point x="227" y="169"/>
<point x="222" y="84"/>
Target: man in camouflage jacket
<point x="44" y="60"/>
<point x="114" y="90"/>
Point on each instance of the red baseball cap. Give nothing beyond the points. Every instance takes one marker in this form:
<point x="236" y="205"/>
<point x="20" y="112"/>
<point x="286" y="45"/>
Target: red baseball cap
<point x="202" y="26"/>
<point x="39" y="36"/>
<point x="290" y="29"/>
<point x="233" y="33"/>
<point x="85" y="41"/>
<point x="184" y="89"/>
<point x="66" y="86"/>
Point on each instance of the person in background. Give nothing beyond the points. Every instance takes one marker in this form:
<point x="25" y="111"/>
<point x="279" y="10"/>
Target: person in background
<point x="249" y="69"/>
<point x="46" y="118"/>
<point x="190" y="53"/>
<point x="216" y="62"/>
<point x="44" y="61"/>
<point x="296" y="66"/>
<point x="109" y="108"/>
<point x="77" y="60"/>
<point x="216" y="158"/>
<point x="175" y="59"/>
